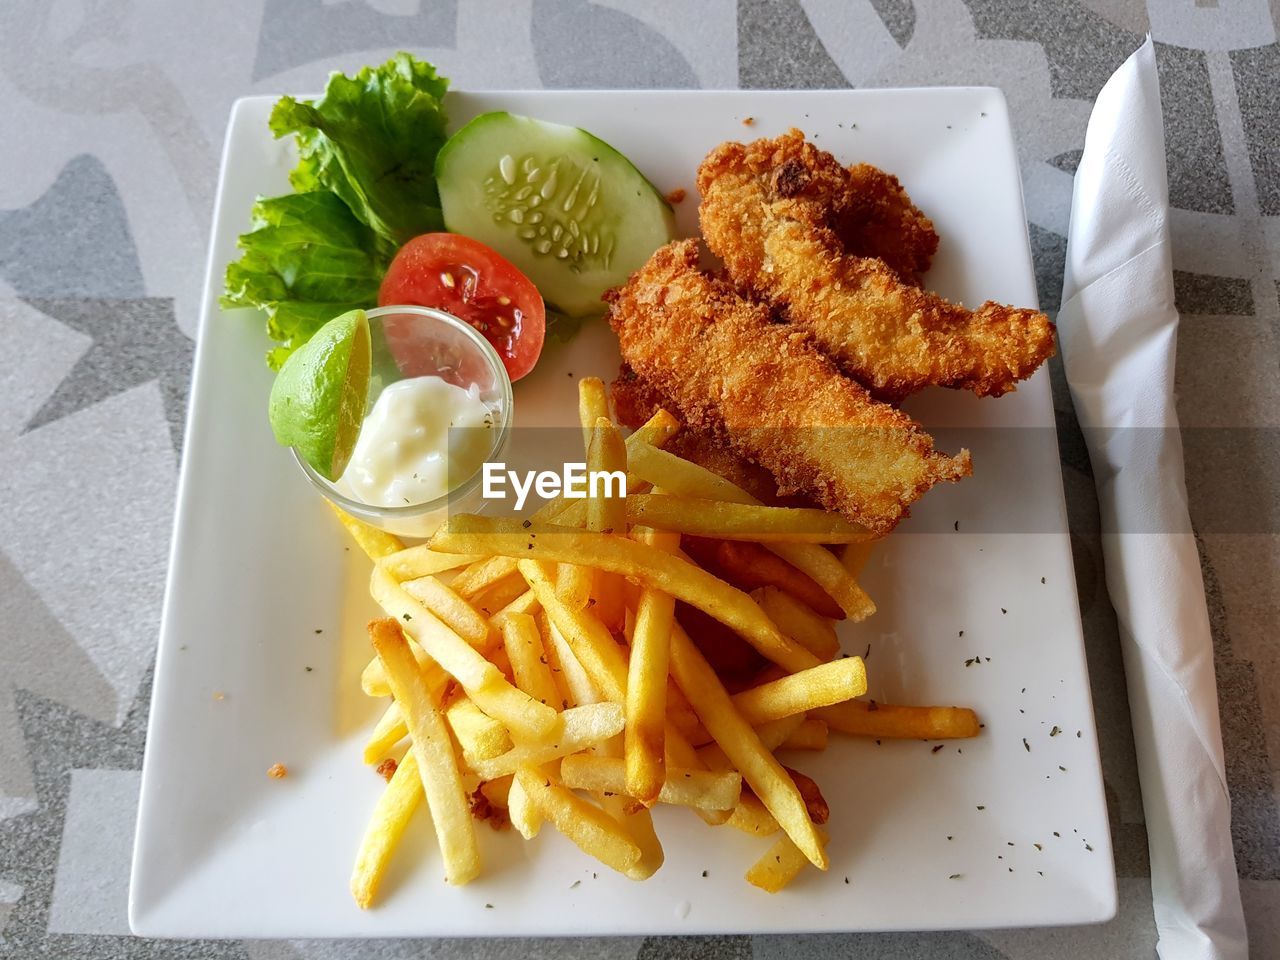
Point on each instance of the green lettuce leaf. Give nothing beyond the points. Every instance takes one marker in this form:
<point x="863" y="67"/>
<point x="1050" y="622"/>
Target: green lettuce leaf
<point x="306" y="260"/>
<point x="372" y="140"/>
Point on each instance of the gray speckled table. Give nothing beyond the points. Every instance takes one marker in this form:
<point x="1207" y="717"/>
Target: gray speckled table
<point x="113" y="113"/>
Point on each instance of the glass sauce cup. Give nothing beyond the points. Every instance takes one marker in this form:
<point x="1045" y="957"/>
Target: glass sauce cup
<point x="411" y="341"/>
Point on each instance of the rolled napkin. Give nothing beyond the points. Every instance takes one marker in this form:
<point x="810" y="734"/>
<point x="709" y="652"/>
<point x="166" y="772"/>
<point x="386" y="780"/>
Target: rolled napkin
<point x="1118" y="334"/>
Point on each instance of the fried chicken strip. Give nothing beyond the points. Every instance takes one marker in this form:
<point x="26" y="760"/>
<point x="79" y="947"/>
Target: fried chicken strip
<point x="771" y="210"/>
<point x="874" y="217"/>
<point x="768" y="393"/>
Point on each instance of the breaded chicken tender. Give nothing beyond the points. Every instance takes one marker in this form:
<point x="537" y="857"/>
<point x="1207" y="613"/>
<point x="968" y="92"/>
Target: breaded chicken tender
<point x="874" y="217"/>
<point x="775" y="211"/>
<point x="766" y="390"/>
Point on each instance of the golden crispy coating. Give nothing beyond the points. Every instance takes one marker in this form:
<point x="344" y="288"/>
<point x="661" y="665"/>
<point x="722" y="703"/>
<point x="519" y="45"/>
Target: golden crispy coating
<point x="874" y="217"/>
<point x="771" y="210"/>
<point x="765" y="390"/>
<point x="635" y="400"/>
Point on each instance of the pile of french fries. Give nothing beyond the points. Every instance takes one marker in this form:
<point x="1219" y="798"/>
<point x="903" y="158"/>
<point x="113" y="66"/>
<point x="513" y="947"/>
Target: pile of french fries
<point x="537" y="668"/>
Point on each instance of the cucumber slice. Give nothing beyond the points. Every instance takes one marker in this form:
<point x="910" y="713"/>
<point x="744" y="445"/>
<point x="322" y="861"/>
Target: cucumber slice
<point x="562" y="205"/>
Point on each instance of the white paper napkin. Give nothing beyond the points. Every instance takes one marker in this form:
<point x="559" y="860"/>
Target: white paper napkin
<point x="1118" y="334"/>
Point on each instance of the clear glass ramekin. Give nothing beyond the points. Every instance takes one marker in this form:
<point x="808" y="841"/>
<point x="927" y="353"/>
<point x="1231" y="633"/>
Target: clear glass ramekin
<point x="429" y="342"/>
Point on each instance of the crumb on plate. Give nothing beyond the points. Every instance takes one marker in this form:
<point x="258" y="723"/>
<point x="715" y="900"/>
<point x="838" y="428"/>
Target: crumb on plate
<point x="482" y="809"/>
<point x="277" y="771"/>
<point x="677" y="195"/>
<point x="386" y="769"/>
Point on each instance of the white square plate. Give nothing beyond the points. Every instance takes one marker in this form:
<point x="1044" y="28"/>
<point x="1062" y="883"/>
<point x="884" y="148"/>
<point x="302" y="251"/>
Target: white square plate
<point x="262" y="639"/>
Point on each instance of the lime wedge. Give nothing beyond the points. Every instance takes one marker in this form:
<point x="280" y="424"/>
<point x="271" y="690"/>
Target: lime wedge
<point x="318" y="400"/>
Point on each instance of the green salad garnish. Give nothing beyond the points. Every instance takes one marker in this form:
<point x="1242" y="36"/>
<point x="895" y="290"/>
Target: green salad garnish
<point x="365" y="184"/>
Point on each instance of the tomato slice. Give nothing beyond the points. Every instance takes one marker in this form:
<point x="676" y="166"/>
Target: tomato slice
<point x="477" y="285"/>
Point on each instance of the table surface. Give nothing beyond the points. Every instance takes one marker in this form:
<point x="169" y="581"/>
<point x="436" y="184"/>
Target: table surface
<point x="113" y="115"/>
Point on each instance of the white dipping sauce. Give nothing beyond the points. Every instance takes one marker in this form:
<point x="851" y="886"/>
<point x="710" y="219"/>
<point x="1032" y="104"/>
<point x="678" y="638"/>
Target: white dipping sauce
<point x="405" y="454"/>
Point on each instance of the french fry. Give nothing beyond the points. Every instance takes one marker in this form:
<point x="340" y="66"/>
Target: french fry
<point x="768" y="780"/>
<point x="679" y="476"/>
<point x="456" y="613"/>
<point x="679" y="752"/>
<point x="606" y="454"/>
<point x="589" y="827"/>
<point x="645" y="749"/>
<point x="819" y="686"/>
<point x="572" y="681"/>
<point x="527" y="602"/>
<point x="419" y="561"/>
<point x="589" y="646"/>
<point x="374" y="542"/>
<point x="656" y="431"/>
<point x="822" y="566"/>
<point x="772" y="735"/>
<point x="389" y="730"/>
<point x="854" y="556"/>
<point x="576" y="729"/>
<point x="524" y="816"/>
<point x="483" y="681"/>
<point x="498" y="792"/>
<point x="638" y="825"/>
<point x="662" y="571"/>
<point x="479" y="735"/>
<point x="608" y="600"/>
<point x="373" y="680"/>
<point x="780" y="864"/>
<point x="498" y="657"/>
<point x="810" y="735"/>
<point x="630" y="598"/>
<point x="741" y="521"/>
<point x="890" y="721"/>
<point x="433" y="751"/>
<point x="682" y="717"/>
<point x="573" y="584"/>
<point x="399" y="800"/>
<point x="798" y="621"/>
<point x="593" y="405"/>
<point x="750" y="816"/>
<point x="480" y="575"/>
<point x="590" y="641"/>
<point x="631" y="815"/>
<point x="699" y="789"/>
<point x="572" y="673"/>
<point x="749" y="566"/>
<point x="499" y="594"/>
<point x="528" y="659"/>
<point x="592" y="663"/>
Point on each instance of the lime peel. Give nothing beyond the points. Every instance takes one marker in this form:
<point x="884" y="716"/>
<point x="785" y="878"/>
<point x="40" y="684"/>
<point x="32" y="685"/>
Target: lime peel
<point x="318" y="399"/>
